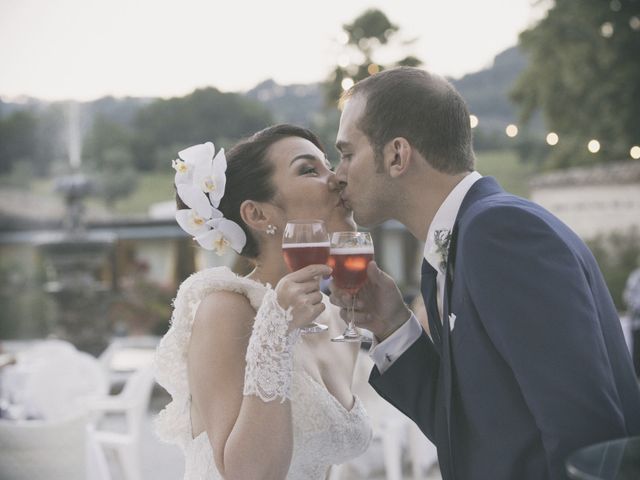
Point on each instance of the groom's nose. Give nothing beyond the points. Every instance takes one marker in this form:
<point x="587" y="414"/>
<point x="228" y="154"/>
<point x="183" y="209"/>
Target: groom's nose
<point x="341" y="175"/>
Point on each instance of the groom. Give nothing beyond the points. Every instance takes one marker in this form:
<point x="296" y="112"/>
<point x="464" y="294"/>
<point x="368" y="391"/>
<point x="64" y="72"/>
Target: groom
<point x="526" y="361"/>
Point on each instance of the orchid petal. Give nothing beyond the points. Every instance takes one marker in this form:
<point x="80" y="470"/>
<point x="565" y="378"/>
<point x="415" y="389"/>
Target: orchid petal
<point x="197" y="154"/>
<point x="194" y="198"/>
<point x="233" y="233"/>
<point x="191" y="222"/>
<point x="183" y="177"/>
<point x="208" y="240"/>
<point x="219" y="178"/>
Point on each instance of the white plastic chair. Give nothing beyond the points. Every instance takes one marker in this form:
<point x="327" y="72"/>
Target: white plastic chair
<point x="422" y="452"/>
<point x="389" y="428"/>
<point x="126" y="354"/>
<point x="52" y="380"/>
<point x="43" y="450"/>
<point x="132" y="402"/>
<point x="97" y="466"/>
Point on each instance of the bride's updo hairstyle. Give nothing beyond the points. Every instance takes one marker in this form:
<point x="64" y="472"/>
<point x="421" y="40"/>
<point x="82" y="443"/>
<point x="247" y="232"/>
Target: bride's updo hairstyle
<point x="249" y="173"/>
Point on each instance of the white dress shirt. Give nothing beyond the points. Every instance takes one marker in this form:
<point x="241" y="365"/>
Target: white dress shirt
<point x="386" y="352"/>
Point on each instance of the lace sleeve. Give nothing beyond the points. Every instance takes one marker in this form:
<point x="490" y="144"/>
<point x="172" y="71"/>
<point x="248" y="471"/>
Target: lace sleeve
<point x="270" y="352"/>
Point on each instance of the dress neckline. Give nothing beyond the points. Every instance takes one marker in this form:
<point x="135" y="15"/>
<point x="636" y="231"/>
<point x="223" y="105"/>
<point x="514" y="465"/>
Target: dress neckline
<point x="322" y="387"/>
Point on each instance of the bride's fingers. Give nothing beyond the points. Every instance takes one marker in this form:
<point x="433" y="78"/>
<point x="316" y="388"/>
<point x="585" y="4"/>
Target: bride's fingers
<point x="310" y="286"/>
<point x="310" y="272"/>
<point x="315" y="298"/>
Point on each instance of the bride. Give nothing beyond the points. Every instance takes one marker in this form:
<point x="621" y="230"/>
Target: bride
<point x="252" y="397"/>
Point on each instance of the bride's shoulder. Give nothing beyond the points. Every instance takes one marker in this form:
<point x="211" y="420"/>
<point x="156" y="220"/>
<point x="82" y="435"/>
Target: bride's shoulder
<point x="224" y="309"/>
<point x="203" y="283"/>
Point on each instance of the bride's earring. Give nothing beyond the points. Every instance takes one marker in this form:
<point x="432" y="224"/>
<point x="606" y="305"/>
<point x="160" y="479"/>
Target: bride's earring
<point x="271" y="229"/>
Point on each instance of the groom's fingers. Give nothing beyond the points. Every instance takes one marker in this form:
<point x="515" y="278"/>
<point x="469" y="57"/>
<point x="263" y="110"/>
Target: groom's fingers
<point x="343" y="299"/>
<point x="361" y="318"/>
<point x="374" y="273"/>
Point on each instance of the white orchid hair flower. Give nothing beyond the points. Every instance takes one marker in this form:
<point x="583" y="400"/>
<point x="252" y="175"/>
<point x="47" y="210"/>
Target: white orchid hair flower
<point x="200" y="181"/>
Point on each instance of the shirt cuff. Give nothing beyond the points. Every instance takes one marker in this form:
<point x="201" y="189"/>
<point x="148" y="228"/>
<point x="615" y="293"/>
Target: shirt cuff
<point x="386" y="352"/>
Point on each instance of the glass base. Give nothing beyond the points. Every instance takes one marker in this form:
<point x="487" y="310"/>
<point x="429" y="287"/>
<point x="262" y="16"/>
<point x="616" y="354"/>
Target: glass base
<point x="313" y="327"/>
<point x="349" y="335"/>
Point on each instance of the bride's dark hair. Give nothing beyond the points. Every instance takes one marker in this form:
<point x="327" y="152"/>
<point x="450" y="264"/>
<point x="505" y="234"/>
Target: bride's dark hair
<point x="249" y="175"/>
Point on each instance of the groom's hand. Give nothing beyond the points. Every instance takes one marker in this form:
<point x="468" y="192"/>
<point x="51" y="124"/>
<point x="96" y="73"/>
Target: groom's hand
<point x="379" y="306"/>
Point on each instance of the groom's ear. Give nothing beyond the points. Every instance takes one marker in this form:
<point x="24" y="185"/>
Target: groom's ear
<point x="397" y="157"/>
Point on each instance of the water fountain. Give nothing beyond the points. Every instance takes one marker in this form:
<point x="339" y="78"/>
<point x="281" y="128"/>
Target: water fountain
<point x="77" y="260"/>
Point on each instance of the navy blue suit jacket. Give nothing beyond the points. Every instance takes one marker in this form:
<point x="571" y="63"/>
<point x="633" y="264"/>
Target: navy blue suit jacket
<point x="536" y="365"/>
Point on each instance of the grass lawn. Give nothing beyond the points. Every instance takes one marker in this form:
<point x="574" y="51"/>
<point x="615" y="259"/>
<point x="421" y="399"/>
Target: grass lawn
<point x="152" y="188"/>
<point x="504" y="165"/>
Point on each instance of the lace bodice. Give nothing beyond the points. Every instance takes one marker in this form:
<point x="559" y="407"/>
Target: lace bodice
<point x="324" y="432"/>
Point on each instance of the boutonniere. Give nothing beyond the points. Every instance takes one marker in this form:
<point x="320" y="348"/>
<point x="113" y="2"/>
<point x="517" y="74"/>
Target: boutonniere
<point x="442" y="238"/>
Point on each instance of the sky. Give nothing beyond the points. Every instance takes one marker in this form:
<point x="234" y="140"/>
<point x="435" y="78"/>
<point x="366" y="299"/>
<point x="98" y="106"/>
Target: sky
<point x="86" y="49"/>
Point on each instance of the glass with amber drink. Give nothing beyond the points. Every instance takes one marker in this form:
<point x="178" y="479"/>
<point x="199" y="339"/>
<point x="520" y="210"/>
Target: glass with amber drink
<point x="351" y="252"/>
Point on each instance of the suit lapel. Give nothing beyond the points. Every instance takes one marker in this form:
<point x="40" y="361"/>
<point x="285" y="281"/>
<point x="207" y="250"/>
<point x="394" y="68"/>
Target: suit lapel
<point x="483" y="187"/>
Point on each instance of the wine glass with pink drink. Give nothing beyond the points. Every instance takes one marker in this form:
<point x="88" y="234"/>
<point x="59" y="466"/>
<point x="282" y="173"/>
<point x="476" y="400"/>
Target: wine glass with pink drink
<point x="306" y="242"/>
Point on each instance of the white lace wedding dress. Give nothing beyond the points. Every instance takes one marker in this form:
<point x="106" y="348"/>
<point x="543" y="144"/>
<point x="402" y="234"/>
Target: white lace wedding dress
<point x="324" y="432"/>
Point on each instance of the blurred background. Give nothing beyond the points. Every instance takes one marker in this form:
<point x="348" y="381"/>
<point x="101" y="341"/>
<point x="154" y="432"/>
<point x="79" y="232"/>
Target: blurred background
<point x="97" y="98"/>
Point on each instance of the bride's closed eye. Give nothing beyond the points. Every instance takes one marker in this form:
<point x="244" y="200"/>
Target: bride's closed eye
<point x="308" y="169"/>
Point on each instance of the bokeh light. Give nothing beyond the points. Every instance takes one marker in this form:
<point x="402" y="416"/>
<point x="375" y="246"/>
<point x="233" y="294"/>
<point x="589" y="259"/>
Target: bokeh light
<point x="635" y="152"/>
<point x="511" y="130"/>
<point x="343" y="61"/>
<point x="593" y="146"/>
<point x="552" y="138"/>
<point x="473" y="120"/>
<point x="373" y="69"/>
<point x="606" y="30"/>
<point x="347" y="83"/>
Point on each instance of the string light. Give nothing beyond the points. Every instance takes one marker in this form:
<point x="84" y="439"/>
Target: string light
<point x="511" y="130"/>
<point x="373" y="69"/>
<point x="552" y="138"/>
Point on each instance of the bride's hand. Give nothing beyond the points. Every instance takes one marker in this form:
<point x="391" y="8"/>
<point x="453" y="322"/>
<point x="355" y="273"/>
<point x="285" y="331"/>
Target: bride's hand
<point x="300" y="290"/>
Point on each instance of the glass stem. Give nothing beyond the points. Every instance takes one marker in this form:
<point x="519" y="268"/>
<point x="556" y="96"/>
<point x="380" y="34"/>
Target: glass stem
<point x="353" y="313"/>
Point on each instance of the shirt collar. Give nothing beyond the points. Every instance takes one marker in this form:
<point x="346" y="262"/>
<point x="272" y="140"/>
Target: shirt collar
<point x="446" y="215"/>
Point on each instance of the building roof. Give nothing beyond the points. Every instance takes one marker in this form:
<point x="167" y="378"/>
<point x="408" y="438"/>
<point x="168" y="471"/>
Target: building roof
<point x="605" y="174"/>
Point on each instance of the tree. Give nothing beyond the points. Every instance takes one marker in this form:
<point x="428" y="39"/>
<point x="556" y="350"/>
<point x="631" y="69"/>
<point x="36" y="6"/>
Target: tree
<point x="206" y="114"/>
<point x="584" y="75"/>
<point x="104" y="136"/>
<point x="365" y="39"/>
<point x="116" y="175"/>
<point x="17" y="140"/>
<point x="366" y="35"/>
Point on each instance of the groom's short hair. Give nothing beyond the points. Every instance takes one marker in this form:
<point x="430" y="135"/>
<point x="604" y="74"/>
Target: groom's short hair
<point x="421" y="107"/>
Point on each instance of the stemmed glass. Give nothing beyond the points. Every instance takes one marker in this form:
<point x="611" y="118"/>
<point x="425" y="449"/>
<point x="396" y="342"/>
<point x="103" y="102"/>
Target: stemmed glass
<point x="306" y="242"/>
<point x="351" y="252"/>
